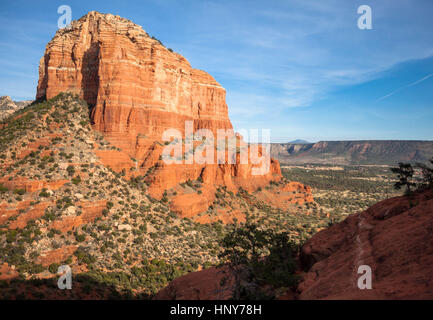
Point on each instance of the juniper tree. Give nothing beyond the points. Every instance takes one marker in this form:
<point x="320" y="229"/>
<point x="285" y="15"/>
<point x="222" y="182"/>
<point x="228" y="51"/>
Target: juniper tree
<point x="405" y="174"/>
<point x="427" y="174"/>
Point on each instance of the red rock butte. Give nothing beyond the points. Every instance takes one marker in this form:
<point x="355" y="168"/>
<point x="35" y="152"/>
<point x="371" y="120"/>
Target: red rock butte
<point x="137" y="88"/>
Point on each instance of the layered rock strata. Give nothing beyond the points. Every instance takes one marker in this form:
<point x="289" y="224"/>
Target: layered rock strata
<point x="138" y="89"/>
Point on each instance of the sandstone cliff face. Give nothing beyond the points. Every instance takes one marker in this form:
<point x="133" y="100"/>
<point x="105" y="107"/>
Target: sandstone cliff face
<point x="393" y="237"/>
<point x="137" y="89"/>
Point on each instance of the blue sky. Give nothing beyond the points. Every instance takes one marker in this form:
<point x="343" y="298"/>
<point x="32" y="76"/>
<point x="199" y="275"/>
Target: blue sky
<point x="300" y="68"/>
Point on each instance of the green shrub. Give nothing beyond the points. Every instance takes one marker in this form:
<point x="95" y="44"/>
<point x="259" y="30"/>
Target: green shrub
<point x="70" y="170"/>
<point x="20" y="191"/>
<point x="11" y="236"/>
<point x="3" y="189"/>
<point x="76" y="180"/>
<point x="44" y="193"/>
<point x="84" y="257"/>
<point x="262" y="258"/>
<point x="80" y="237"/>
<point x="53" y="268"/>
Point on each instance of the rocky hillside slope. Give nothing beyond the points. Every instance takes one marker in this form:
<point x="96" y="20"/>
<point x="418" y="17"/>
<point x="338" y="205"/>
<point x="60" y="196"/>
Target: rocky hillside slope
<point x="8" y="107"/>
<point x="368" y="152"/>
<point x="59" y="204"/>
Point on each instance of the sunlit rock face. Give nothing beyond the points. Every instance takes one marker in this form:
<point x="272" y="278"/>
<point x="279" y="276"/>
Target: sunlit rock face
<point x="137" y="89"/>
<point x="137" y="86"/>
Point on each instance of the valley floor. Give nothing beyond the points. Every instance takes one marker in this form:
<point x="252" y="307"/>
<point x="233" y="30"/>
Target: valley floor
<point x="343" y="190"/>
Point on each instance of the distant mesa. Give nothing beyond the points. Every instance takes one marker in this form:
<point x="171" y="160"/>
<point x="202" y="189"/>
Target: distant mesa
<point x="299" y="141"/>
<point x="363" y="152"/>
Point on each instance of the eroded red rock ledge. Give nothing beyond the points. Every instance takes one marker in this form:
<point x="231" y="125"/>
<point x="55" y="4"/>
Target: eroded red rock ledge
<point x="393" y="237"/>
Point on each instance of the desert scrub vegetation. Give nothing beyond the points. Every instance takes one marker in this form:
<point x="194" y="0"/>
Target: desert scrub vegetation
<point x="19" y="123"/>
<point x="353" y="178"/>
<point x="344" y="190"/>
<point x="116" y="246"/>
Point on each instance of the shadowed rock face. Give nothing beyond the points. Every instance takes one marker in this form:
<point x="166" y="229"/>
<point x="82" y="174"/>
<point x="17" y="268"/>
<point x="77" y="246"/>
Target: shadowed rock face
<point x="393" y="237"/>
<point x="208" y="284"/>
<point x="137" y="89"/>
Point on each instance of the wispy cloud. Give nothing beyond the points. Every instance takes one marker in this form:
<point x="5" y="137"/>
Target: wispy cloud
<point x="302" y="51"/>
<point x="404" y="87"/>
